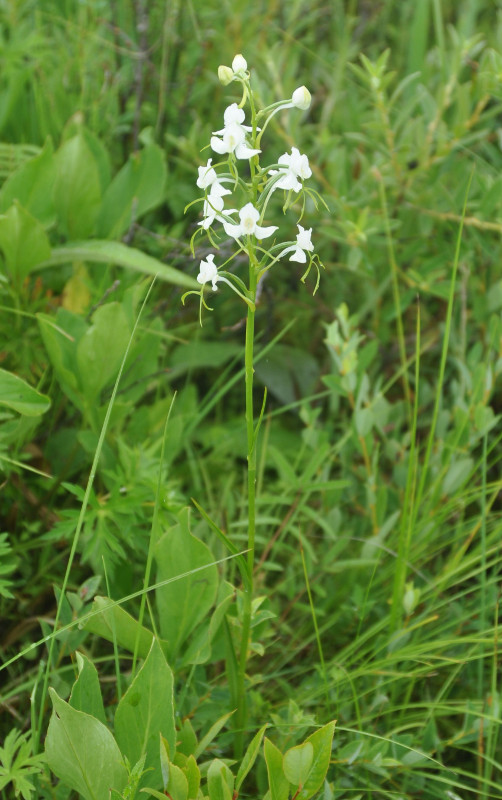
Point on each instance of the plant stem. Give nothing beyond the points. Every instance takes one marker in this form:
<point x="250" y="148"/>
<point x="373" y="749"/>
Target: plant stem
<point x="241" y="716"/>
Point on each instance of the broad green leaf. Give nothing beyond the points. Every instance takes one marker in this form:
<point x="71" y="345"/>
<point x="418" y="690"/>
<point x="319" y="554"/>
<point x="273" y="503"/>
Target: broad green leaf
<point x="277" y="781"/>
<point x="116" y="625"/>
<point x="321" y="742"/>
<point x="20" y="396"/>
<point x="103" y="252"/>
<point x="82" y="752"/>
<point x="77" y="187"/>
<point x="249" y="757"/>
<point x="101" y="349"/>
<point x="177" y="787"/>
<point x="184" y="603"/>
<point x="30" y="185"/>
<point x="23" y="241"/>
<point x="297" y="762"/>
<point x="145" y="711"/>
<point x="138" y="187"/>
<point x="220" y="781"/>
<point x="86" y="692"/>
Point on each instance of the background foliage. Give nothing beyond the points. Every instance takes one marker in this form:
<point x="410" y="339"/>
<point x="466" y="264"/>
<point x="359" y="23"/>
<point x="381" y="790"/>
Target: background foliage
<point x="378" y="494"/>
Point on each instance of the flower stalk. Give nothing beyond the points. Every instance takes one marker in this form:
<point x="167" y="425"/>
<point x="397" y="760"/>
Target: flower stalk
<point x="240" y="142"/>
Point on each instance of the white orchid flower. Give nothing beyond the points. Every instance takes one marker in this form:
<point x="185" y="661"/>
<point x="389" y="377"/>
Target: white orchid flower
<point x="208" y="272"/>
<point x="207" y="175"/>
<point x="303" y="243"/>
<point x="249" y="217"/>
<point x="213" y="205"/>
<point x="233" y="135"/>
<point x="296" y="166"/>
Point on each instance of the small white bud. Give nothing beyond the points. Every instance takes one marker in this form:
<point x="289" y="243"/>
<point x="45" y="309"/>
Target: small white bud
<point x="239" y="64"/>
<point x="301" y="98"/>
<point x="225" y="74"/>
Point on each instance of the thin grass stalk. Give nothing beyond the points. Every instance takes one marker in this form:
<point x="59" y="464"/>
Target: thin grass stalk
<point x="444" y="353"/>
<point x="408" y="513"/>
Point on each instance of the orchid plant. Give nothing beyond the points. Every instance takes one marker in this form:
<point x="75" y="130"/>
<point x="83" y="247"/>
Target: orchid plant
<point x="225" y="182"/>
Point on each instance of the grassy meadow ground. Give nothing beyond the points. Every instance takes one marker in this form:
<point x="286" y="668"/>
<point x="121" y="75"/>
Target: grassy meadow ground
<point x="376" y="577"/>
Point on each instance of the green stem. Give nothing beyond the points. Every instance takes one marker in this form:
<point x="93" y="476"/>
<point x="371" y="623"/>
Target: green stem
<point x="241" y="716"/>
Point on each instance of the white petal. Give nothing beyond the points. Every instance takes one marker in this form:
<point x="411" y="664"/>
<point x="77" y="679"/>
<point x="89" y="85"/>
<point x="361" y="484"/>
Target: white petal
<point x="289" y="181"/>
<point x="232" y="230"/>
<point x="264" y="233"/>
<point x="217" y="190"/>
<point x="233" y="114"/>
<point x="298" y="255"/>
<point x="243" y="151"/>
<point x="218" y="146"/>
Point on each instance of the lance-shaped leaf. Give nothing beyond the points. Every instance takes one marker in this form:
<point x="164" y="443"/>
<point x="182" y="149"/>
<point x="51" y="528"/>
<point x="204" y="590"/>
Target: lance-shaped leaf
<point x="145" y="711"/>
<point x="183" y="603"/>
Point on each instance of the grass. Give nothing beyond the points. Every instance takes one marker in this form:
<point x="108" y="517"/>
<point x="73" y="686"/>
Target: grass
<point x="378" y="472"/>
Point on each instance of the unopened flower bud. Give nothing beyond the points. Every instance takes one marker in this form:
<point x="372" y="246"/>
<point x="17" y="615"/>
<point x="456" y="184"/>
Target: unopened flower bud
<point x="225" y="74"/>
<point x="301" y="98"/>
<point x="239" y="64"/>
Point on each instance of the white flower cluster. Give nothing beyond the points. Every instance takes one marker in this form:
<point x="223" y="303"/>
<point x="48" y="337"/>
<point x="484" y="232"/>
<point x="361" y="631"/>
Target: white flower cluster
<point x="239" y="141"/>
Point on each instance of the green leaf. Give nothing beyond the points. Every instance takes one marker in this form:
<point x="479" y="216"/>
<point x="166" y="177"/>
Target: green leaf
<point x="297" y="762"/>
<point x="82" y="752"/>
<point x="184" y="603"/>
<point x="23" y="241"/>
<point x="60" y="336"/>
<point x="192" y="773"/>
<point x="177" y="787"/>
<point x="211" y="734"/>
<point x="116" y="625"/>
<point x="277" y="781"/>
<point x="30" y="185"/>
<point x="86" y="692"/>
<point x="20" y="396"/>
<point x="199" y="650"/>
<point x="147" y="710"/>
<point x="103" y="252"/>
<point x="101" y="349"/>
<point x="457" y="475"/>
<point x="138" y="187"/>
<point x="220" y="781"/>
<point x="249" y="757"/>
<point x="77" y="188"/>
<point x="321" y="742"/>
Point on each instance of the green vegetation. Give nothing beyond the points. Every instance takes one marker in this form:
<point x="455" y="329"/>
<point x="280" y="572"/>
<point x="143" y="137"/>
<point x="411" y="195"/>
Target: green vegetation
<point x="143" y="649"/>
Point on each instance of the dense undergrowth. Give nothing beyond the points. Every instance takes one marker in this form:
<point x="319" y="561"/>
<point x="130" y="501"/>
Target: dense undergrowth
<point x="378" y="529"/>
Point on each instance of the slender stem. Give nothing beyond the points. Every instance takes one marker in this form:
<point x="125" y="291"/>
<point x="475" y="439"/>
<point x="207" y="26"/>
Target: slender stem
<point x="241" y="716"/>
